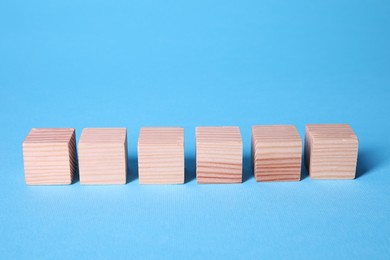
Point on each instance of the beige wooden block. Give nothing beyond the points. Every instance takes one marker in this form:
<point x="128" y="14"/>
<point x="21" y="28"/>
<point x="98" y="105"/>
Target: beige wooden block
<point x="218" y="155"/>
<point x="161" y="155"/>
<point x="103" y="156"/>
<point x="331" y="151"/>
<point x="276" y="153"/>
<point x="50" y="156"/>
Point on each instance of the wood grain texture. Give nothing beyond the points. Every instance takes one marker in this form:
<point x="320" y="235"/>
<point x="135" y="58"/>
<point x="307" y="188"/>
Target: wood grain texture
<point x="331" y="151"/>
<point x="218" y="155"/>
<point x="276" y="153"/>
<point x="103" y="156"/>
<point x="50" y="156"/>
<point x="161" y="155"/>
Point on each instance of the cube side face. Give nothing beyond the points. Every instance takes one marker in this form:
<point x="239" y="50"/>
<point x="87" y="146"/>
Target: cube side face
<point x="253" y="153"/>
<point x="276" y="153"/>
<point x="47" y="164"/>
<point x="333" y="160"/>
<point x="102" y="163"/>
<point x="161" y="166"/>
<point x="219" y="162"/>
<point x="73" y="160"/>
<point x="126" y="159"/>
<point x="212" y="161"/>
<point x="161" y="155"/>
<point x="332" y="152"/>
<point x="278" y="161"/>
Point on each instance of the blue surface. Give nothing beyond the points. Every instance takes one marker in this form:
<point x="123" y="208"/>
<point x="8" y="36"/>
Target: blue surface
<point x="158" y="63"/>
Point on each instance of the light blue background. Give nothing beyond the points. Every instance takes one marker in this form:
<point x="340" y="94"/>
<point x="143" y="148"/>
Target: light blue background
<point x="191" y="63"/>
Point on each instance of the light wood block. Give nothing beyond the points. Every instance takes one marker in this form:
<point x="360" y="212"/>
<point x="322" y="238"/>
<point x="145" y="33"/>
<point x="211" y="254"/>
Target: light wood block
<point x="103" y="156"/>
<point x="331" y="151"/>
<point x="161" y="155"/>
<point x="50" y="156"/>
<point x="218" y="155"/>
<point x="276" y="153"/>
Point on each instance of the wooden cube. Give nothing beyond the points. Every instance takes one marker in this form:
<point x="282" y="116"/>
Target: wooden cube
<point x="50" y="156"/>
<point x="331" y="151"/>
<point x="161" y="155"/>
<point x="218" y="155"/>
<point x="103" y="156"/>
<point x="276" y="153"/>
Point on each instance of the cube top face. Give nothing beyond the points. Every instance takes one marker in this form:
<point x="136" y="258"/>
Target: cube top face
<point x="218" y="155"/>
<point x="161" y="136"/>
<point x="103" y="136"/>
<point x="49" y="135"/>
<point x="329" y="132"/>
<point x="275" y="134"/>
<point x="50" y="156"/>
<point x="331" y="151"/>
<point x="276" y="153"/>
<point x="161" y="155"/>
<point x="218" y="134"/>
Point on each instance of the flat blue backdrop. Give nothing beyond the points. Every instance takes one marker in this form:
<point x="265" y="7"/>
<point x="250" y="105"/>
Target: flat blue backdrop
<point x="181" y="63"/>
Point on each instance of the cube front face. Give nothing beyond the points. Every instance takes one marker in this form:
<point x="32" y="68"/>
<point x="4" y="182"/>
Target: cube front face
<point x="103" y="156"/>
<point x="331" y="151"/>
<point x="161" y="155"/>
<point x="218" y="155"/>
<point x="50" y="156"/>
<point x="276" y="153"/>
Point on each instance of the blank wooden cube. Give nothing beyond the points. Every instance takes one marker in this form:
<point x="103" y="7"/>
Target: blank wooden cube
<point x="161" y="155"/>
<point x="276" y="153"/>
<point x="331" y="151"/>
<point x="218" y="155"/>
<point x="103" y="156"/>
<point x="50" y="156"/>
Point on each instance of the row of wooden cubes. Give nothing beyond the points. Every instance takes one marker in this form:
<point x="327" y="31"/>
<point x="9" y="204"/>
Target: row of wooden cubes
<point x="50" y="155"/>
